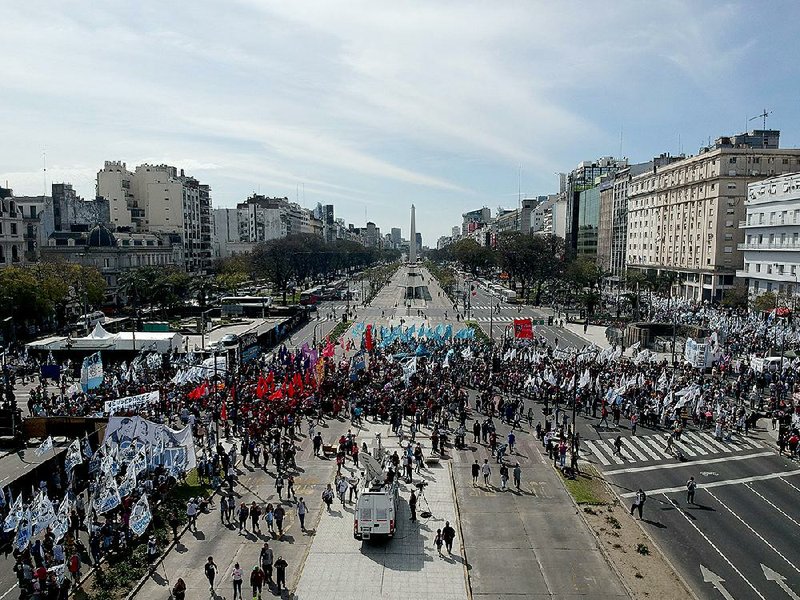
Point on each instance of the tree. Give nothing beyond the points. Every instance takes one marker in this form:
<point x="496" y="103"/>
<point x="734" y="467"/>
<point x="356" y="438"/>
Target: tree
<point x="735" y="297"/>
<point x="472" y="256"/>
<point x="766" y="302"/>
<point x="273" y="261"/>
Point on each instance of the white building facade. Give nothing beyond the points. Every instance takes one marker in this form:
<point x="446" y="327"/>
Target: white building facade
<point x="771" y="246"/>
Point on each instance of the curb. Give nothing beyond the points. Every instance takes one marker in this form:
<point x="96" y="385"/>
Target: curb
<point x="652" y="541"/>
<point x="596" y="537"/>
<point x="461" y="546"/>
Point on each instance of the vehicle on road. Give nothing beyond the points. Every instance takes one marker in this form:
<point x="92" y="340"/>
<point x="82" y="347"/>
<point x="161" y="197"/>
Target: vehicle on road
<point x="376" y="509"/>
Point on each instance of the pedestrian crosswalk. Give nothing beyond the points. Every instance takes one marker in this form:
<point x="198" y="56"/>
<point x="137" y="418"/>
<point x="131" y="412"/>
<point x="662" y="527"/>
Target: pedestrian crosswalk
<point x="652" y="448"/>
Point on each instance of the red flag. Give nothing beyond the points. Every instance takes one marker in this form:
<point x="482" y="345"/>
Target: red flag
<point x="368" y="340"/>
<point x="262" y="387"/>
<point x="297" y="381"/>
<point x="290" y="391"/>
<point x="200" y="391"/>
<point x="276" y="395"/>
<point x="329" y="349"/>
<point x="523" y="329"/>
<point x="271" y="380"/>
<point x="223" y="413"/>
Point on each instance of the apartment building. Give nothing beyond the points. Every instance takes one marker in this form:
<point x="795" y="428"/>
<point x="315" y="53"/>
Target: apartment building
<point x="160" y="199"/>
<point x="771" y="246"/>
<point x="683" y="217"/>
<point x="12" y="250"/>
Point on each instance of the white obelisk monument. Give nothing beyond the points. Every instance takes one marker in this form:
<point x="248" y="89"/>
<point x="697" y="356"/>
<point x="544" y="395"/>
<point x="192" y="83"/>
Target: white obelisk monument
<point x="412" y="243"/>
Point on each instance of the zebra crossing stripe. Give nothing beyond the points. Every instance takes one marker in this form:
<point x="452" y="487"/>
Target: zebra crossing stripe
<point x="596" y="451"/>
<point x="645" y="447"/>
<point x="609" y="448"/>
<point x="711" y="441"/>
<point x="634" y="449"/>
<point x="701" y="442"/>
<point x="652" y="442"/>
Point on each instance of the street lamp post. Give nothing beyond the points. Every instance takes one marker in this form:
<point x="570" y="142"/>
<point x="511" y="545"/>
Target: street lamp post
<point x="575" y="393"/>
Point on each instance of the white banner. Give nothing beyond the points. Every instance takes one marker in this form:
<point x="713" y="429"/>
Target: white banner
<point x="131" y="402"/>
<point x="107" y="497"/>
<point x="170" y="447"/>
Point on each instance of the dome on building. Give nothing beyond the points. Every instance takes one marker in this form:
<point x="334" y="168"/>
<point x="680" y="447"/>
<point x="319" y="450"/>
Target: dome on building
<point x="100" y="237"/>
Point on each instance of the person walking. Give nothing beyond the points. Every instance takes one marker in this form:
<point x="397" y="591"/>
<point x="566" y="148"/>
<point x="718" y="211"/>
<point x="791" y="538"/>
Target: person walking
<point x="412" y="505"/>
<point x="517" y="476"/>
<point x="256" y="581"/>
<point x="290" y="488"/>
<point x="448" y="534"/>
<point x="266" y="558"/>
<point x="438" y="541"/>
<point x="279" y="485"/>
<point x="279" y="514"/>
<point x="503" y="476"/>
<point x="341" y="487"/>
<point x="302" y="509"/>
<point x="512" y="439"/>
<point x="211" y="572"/>
<point x="327" y="497"/>
<point x="244" y="512"/>
<point x="486" y="470"/>
<point x="638" y="502"/>
<point x="280" y="573"/>
<point x="476" y="470"/>
<point x="691" y="486"/>
<point x="269" y="517"/>
<point x="255" y="516"/>
<point x="618" y="445"/>
<point x="191" y="513"/>
<point x="236" y="575"/>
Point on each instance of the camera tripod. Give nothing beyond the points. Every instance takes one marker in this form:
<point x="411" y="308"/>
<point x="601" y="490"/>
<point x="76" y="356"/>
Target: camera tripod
<point x="425" y="514"/>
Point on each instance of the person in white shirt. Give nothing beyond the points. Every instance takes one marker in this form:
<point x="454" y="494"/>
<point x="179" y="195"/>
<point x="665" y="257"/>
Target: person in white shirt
<point x="302" y="509"/>
<point x="237" y="575"/>
<point x="486" y="470"/>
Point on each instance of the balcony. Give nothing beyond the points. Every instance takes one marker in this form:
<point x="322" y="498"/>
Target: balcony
<point x="773" y="223"/>
<point x="774" y="276"/>
<point x="790" y="245"/>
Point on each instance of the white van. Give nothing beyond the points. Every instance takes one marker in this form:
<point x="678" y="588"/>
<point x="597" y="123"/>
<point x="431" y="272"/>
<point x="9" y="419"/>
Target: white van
<point x="376" y="509"/>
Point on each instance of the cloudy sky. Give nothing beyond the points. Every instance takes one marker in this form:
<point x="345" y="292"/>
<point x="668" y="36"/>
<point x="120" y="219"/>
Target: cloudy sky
<point x="374" y="105"/>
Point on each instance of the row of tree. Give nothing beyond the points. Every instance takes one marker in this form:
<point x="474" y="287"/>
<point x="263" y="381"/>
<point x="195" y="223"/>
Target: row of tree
<point x="48" y="292"/>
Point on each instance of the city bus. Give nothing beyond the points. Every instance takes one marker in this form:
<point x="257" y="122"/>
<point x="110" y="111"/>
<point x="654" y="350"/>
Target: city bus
<point x="245" y="306"/>
<point x="311" y="296"/>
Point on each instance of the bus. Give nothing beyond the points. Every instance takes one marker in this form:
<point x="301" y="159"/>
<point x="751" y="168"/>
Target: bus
<point x="311" y="296"/>
<point x="245" y="306"/>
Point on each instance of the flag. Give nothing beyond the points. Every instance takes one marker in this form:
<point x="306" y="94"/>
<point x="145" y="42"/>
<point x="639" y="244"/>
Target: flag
<point x="409" y="368"/>
<point x="368" y="339"/>
<point x="14" y="515"/>
<point x="45" y="446"/>
<point x="140" y="517"/>
<point x="585" y="379"/>
<point x="223" y="413"/>
<point x="446" y="361"/>
<point x="59" y="572"/>
<point x="128" y="484"/>
<point x="73" y="456"/>
<point x="45" y="513"/>
<point x="523" y="329"/>
<point x="87" y="447"/>
<point x="60" y="524"/>
<point x="262" y="387"/>
<point x="198" y="392"/>
<point x="92" y="372"/>
<point x="329" y="349"/>
<point x="24" y="532"/>
<point x="107" y="497"/>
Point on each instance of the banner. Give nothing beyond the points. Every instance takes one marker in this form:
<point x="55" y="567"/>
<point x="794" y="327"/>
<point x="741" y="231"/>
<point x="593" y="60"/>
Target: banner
<point x="60" y="524"/>
<point x="170" y="447"/>
<point x="523" y="329"/>
<point x="140" y="517"/>
<point x="24" y="532"/>
<point x="131" y="402"/>
<point x="92" y="372"/>
<point x="128" y="484"/>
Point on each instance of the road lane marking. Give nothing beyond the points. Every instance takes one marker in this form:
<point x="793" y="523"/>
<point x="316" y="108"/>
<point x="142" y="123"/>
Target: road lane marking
<point x="771" y="575"/>
<point x="647" y="450"/>
<point x="714" y="484"/>
<point x="699" y="442"/>
<point x="708" y="461"/>
<point x="634" y="449"/>
<point x="13" y="587"/>
<point x="750" y="487"/>
<point x="609" y="448"/>
<point x="661" y="451"/>
<point x="596" y="451"/>
<point x="789" y="484"/>
<point x="715" y="580"/>
<point x="710" y="543"/>
<point x="743" y="522"/>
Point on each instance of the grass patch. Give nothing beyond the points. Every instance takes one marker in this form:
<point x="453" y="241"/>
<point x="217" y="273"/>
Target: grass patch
<point x="339" y="329"/>
<point x="587" y="488"/>
<point x="480" y="334"/>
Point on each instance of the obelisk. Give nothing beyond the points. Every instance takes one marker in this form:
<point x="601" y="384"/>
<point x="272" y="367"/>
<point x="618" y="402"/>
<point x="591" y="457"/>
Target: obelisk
<point x="412" y="243"/>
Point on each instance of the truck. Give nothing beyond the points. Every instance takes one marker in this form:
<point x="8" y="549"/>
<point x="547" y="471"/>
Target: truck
<point x="376" y="510"/>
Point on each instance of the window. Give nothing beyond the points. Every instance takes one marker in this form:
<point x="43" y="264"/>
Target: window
<point x="758" y="267"/>
<point x="728" y="237"/>
<point x="732" y="160"/>
<point x="13" y="229"/>
<point x="729" y="223"/>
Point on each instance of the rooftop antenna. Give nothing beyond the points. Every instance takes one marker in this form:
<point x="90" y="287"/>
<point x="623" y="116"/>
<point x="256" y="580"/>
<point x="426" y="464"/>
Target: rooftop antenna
<point x="763" y="116"/>
<point x="44" y="171"/>
<point x="620" y="141"/>
<point x="519" y="187"/>
<point x="304" y="193"/>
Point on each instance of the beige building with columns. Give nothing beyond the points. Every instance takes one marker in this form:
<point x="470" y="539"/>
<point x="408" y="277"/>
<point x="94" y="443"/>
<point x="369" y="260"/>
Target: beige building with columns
<point x="684" y="217"/>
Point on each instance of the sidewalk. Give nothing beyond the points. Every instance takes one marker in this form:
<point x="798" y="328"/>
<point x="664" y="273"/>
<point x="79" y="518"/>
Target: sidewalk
<point x="595" y="334"/>
<point x="407" y="566"/>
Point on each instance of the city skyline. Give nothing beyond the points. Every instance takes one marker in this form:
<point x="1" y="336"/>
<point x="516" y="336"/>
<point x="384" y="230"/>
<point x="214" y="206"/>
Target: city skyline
<point x="372" y="109"/>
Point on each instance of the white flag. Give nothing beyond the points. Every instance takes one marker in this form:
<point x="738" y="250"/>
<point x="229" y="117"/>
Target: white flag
<point x="45" y="513"/>
<point x="45" y="446"/>
<point x="73" y="456"/>
<point x="107" y="496"/>
<point x="129" y="483"/>
<point x="140" y="517"/>
<point x="14" y="516"/>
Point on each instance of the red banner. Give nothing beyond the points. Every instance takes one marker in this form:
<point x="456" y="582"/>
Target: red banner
<point x="523" y="329"/>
